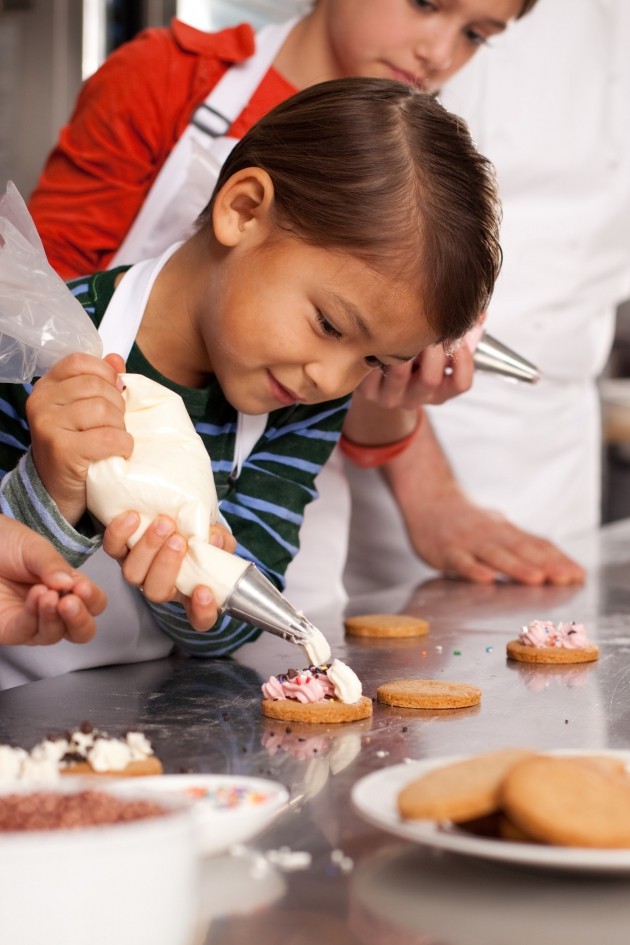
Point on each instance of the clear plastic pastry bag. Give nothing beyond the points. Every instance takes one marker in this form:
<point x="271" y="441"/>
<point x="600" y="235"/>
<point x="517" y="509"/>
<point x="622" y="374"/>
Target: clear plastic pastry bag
<point x="40" y="320"/>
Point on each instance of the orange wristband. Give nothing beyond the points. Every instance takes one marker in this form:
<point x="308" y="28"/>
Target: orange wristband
<point x="368" y="457"/>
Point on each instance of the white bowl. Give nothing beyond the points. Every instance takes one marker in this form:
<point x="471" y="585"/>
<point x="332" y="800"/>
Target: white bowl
<point x="119" y="884"/>
<point x="228" y="809"/>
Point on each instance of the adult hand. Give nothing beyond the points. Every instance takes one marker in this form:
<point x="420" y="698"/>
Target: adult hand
<point x="455" y="536"/>
<point x="42" y="599"/>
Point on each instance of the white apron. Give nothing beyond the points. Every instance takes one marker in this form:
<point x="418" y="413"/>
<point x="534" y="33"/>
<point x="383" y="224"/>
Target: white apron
<point x="180" y="192"/>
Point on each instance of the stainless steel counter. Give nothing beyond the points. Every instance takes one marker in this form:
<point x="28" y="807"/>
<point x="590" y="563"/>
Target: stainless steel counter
<point x="205" y="717"/>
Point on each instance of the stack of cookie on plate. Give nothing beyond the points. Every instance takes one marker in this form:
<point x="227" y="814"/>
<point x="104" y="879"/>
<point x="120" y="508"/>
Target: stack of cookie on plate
<point x="521" y="795"/>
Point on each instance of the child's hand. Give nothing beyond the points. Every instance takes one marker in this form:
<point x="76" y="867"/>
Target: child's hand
<point x="42" y="599"/>
<point x="432" y="378"/>
<point x="222" y="537"/>
<point x="154" y="562"/>
<point x="76" y="415"/>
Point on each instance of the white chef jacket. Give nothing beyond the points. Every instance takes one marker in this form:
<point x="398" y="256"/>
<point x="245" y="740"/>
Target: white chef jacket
<point x="548" y="104"/>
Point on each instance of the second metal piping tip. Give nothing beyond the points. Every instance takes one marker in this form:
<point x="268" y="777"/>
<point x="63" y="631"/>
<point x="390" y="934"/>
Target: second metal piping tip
<point x="491" y="355"/>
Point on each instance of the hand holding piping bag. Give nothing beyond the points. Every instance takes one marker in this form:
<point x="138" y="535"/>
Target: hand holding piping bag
<point x="169" y="471"/>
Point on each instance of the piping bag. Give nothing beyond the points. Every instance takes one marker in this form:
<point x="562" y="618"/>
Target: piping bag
<point x="169" y="471"/>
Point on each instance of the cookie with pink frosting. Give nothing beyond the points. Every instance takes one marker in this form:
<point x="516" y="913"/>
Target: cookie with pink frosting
<point x="542" y="641"/>
<point x="329" y="693"/>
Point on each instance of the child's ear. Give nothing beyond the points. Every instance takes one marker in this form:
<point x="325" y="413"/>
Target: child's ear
<point x="241" y="208"/>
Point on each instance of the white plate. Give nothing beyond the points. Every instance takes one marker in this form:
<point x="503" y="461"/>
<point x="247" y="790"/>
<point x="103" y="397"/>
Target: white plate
<point x="229" y="809"/>
<point x="374" y="797"/>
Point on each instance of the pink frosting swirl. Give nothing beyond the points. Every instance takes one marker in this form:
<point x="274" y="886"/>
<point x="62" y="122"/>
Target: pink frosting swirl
<point x="544" y="633"/>
<point x="272" y="689"/>
<point x="303" y="687"/>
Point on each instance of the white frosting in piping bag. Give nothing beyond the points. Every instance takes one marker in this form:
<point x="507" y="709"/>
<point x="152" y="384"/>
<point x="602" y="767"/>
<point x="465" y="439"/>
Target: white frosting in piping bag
<point x="168" y="473"/>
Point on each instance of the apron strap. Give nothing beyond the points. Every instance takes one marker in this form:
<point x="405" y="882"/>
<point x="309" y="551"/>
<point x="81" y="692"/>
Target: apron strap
<point x="123" y="316"/>
<point x="119" y="327"/>
<point x="249" y="429"/>
<point x="234" y="90"/>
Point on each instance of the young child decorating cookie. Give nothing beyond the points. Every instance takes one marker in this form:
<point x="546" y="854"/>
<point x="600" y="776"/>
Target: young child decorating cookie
<point x="352" y="227"/>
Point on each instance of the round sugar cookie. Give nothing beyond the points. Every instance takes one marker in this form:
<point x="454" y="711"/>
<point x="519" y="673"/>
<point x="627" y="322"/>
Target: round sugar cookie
<point x="386" y="626"/>
<point x="562" y="801"/>
<point x="509" y="831"/>
<point x="135" y="769"/>
<point x="550" y="654"/>
<point x="428" y="694"/>
<point x="331" y="710"/>
<point x="460" y="791"/>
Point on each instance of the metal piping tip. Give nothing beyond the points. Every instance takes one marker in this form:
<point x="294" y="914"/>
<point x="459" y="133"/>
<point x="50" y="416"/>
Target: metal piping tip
<point x="490" y="355"/>
<point x="255" y="600"/>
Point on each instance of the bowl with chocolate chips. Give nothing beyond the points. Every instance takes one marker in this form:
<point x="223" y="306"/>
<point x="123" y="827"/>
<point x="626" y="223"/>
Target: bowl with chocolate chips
<point x="79" y="862"/>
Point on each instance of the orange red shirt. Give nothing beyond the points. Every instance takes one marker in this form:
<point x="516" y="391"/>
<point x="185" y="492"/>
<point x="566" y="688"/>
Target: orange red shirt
<point x="127" y="119"/>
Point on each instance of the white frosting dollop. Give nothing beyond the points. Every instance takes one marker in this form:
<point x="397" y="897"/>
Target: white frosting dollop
<point x="168" y="473"/>
<point x="316" y="647"/>
<point x="109" y="754"/>
<point x="346" y="683"/>
<point x="42" y="769"/>
<point x="11" y="761"/>
<point x="51" y="750"/>
<point x="139" y="745"/>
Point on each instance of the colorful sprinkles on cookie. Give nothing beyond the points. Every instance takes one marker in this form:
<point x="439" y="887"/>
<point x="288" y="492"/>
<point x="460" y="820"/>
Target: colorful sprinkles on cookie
<point x="306" y="685"/>
<point x="542" y="641"/>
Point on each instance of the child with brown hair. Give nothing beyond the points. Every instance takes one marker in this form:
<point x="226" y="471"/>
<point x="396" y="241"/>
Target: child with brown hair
<point x="352" y="227"/>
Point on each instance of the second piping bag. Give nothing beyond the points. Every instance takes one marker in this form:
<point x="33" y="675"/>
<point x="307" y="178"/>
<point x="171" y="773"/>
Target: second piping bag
<point x="169" y="473"/>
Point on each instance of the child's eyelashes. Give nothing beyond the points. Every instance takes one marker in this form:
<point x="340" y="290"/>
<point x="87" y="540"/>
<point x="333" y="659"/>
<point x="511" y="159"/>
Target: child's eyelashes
<point x="429" y="6"/>
<point x="330" y="331"/>
<point x="374" y="362"/>
<point x="326" y="326"/>
<point x="477" y="39"/>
